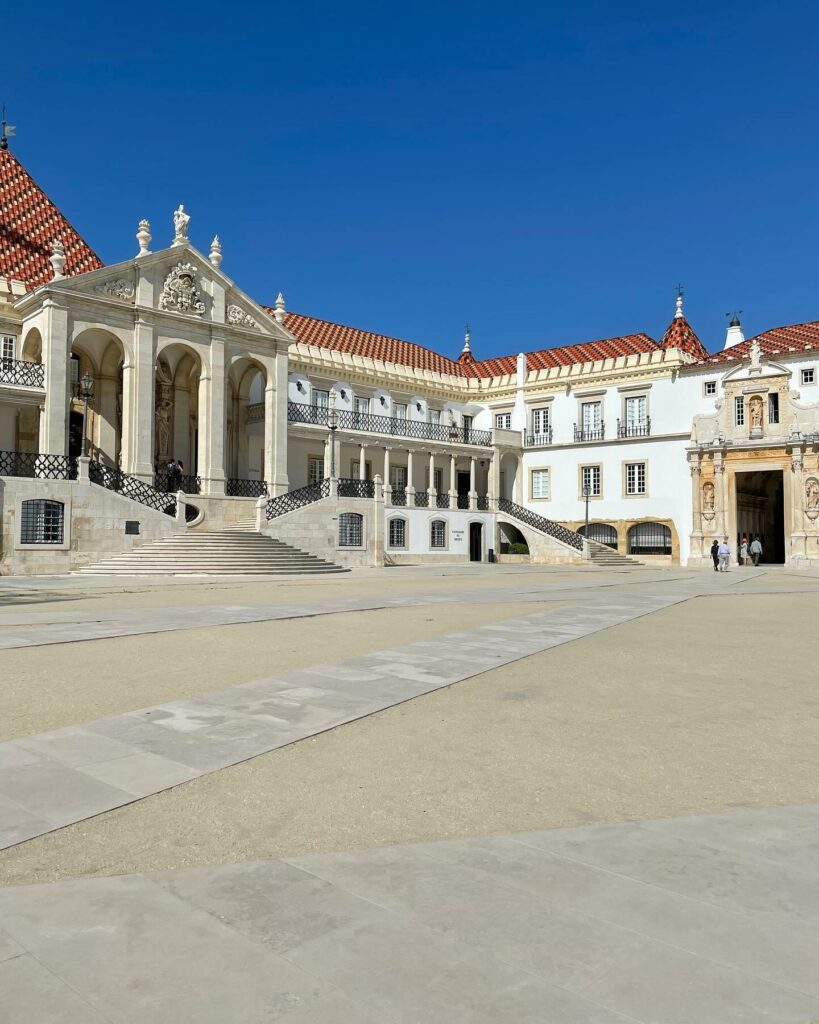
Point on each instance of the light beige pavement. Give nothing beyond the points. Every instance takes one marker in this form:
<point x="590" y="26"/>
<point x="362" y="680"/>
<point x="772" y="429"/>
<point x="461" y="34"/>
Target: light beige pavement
<point x="702" y="706"/>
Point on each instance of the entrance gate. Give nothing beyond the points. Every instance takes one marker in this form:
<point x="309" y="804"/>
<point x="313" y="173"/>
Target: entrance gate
<point x="760" y="512"/>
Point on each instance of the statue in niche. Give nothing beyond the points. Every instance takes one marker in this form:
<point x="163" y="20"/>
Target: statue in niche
<point x="708" y="496"/>
<point x="812" y="494"/>
<point x="755" y="411"/>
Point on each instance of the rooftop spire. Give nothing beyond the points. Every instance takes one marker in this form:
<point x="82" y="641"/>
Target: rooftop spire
<point x="467" y="341"/>
<point x="734" y="335"/>
<point x="7" y="131"/>
<point x="679" y="313"/>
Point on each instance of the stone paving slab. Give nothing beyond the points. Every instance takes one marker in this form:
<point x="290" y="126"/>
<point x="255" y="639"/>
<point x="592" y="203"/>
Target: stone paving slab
<point x="54" y="779"/>
<point x="558" y="926"/>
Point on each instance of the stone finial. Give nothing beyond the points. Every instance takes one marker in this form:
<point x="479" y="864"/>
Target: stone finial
<point x="57" y="259"/>
<point x="216" y="252"/>
<point x="467" y="341"/>
<point x="180" y="226"/>
<point x="678" y="315"/>
<point x="143" y="236"/>
<point x="280" y="310"/>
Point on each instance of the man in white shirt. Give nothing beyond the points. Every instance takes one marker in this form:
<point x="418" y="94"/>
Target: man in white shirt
<point x="724" y="554"/>
<point x="756" y="550"/>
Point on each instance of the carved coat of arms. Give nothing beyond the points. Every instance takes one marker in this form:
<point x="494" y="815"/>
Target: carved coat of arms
<point x="180" y="293"/>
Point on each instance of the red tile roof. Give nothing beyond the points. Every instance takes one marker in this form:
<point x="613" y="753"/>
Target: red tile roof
<point x="544" y="358"/>
<point x="778" y="341"/>
<point x="29" y="223"/>
<point x="680" y="334"/>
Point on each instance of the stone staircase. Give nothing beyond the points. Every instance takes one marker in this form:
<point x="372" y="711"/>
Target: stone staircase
<point x="605" y="557"/>
<point x="235" y="551"/>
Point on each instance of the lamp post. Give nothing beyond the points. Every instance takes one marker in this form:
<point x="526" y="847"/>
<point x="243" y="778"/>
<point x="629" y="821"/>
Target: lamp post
<point x="586" y="494"/>
<point x="86" y="392"/>
<point x="332" y="425"/>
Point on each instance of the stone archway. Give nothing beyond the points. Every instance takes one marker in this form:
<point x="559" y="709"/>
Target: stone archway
<point x="246" y="424"/>
<point x="178" y="376"/>
<point x="101" y="354"/>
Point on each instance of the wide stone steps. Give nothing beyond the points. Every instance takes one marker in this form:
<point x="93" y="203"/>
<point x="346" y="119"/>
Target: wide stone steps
<point x="607" y="558"/>
<point x="228" y="552"/>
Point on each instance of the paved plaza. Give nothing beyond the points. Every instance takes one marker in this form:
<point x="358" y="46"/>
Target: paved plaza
<point x="455" y="794"/>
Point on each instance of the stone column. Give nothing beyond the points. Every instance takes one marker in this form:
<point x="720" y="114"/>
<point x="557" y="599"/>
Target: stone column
<point x="387" y="484"/>
<point x="212" y="420"/>
<point x="494" y="479"/>
<point x="473" y="494"/>
<point x="410" y="484"/>
<point x="327" y="459"/>
<point x="453" y="484"/>
<point x="269" y="463"/>
<point x="696" y="501"/>
<point x="431" y="491"/>
<point x="721" y="495"/>
<point x="138" y="394"/>
<point x="799" y="537"/>
<point x="56" y="350"/>
<point x="362" y="463"/>
<point x="377" y="532"/>
<point x="277" y="482"/>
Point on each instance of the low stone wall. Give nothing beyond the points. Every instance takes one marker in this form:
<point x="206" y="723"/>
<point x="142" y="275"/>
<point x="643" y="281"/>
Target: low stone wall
<point x="93" y="529"/>
<point x="314" y="528"/>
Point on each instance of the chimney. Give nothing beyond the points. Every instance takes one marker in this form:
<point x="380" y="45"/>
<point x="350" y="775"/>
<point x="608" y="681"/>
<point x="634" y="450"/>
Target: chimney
<point x="734" y="335"/>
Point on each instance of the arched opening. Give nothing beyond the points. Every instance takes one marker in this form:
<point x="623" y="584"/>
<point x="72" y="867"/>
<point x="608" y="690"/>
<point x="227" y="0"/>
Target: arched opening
<point x="245" y="439"/>
<point x="32" y="350"/>
<point x="476" y="542"/>
<point x="99" y="353"/>
<point x="176" y="418"/>
<point x="649" y="539"/>
<point x="602" y="533"/>
<point x="22" y="433"/>
<point x="511" y="540"/>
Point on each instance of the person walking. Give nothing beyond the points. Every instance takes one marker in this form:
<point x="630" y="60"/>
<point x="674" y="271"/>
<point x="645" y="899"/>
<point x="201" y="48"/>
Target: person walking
<point x="756" y="549"/>
<point x="715" y="554"/>
<point x="743" y="551"/>
<point x="724" y="554"/>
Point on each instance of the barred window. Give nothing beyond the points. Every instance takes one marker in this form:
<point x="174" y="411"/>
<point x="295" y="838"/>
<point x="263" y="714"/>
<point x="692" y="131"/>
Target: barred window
<point x="635" y="478"/>
<point x="739" y="411"/>
<point x="41" y="522"/>
<point x="398" y="533"/>
<point x="603" y="533"/>
<point x="540" y="483"/>
<point x="437" y="534"/>
<point x="649" y="539"/>
<point x="350" y="530"/>
<point x="590" y="477"/>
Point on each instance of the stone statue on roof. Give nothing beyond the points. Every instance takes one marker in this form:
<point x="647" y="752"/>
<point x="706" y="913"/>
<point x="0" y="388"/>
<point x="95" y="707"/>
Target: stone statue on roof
<point x="755" y="352"/>
<point x="180" y="225"/>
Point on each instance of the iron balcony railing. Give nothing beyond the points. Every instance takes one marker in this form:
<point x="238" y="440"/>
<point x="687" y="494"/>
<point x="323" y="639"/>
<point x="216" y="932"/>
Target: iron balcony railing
<point x="237" y="488"/>
<point x="113" y="479"/>
<point x="351" y="488"/>
<point x="169" y="483"/>
<point x="442" y="500"/>
<point x="421" y="499"/>
<point x="483" y="503"/>
<point x="532" y="519"/>
<point x="37" y="466"/>
<point x="597" y="433"/>
<point x="642" y="429"/>
<point x="463" y="501"/>
<point x="396" y="426"/>
<point x="399" y="496"/>
<point x="22" y="372"/>
<point x="289" y="502"/>
<point x="535" y="440"/>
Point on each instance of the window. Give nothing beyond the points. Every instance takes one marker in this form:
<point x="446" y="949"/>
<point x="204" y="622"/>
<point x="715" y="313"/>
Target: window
<point x="400" y="410"/>
<point x="8" y="346"/>
<point x="635" y="478"/>
<point x="355" y="470"/>
<point x="41" y="522"/>
<point x="636" y="408"/>
<point x="398" y="478"/>
<point x="739" y="411"/>
<point x="398" y="533"/>
<point x="591" y="416"/>
<point x="350" y="530"/>
<point x="603" y="533"/>
<point x="808" y="375"/>
<point x="467" y="424"/>
<point x="435" y="417"/>
<point x="74" y="379"/>
<point x="503" y="421"/>
<point x="591" y="477"/>
<point x="320" y="399"/>
<point x="540" y="483"/>
<point x="437" y="533"/>
<point x="773" y="407"/>
<point x="541" y="421"/>
<point x="649" y="539"/>
<point x="438" y="477"/>
<point x="361" y="406"/>
<point x="315" y="469"/>
<point x="709" y="388"/>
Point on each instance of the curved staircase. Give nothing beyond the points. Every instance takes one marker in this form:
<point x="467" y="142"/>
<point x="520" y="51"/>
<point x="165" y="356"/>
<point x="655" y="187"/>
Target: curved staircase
<point x="235" y="551"/>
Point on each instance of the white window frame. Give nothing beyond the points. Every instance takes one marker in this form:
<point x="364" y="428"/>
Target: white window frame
<point x="593" y="420"/>
<point x="739" y="410"/>
<point x="346" y="521"/>
<point x="541" y="420"/>
<point x="807" y="376"/>
<point x="773" y="407"/>
<point x="503" y="421"/>
<point x="405" y="528"/>
<point x="8" y="347"/>
<point x="319" y="398"/>
<point x="709" y="389"/>
<point x="432" y="535"/>
<point x="593" y="474"/>
<point x="361" y="406"/>
<point x="315" y="469"/>
<point x="399" y="411"/>
<point x="398" y="478"/>
<point x="632" y="402"/>
<point x="434" y="417"/>
<point x="540" y="473"/>
<point x="438" y="478"/>
<point x="636" y="479"/>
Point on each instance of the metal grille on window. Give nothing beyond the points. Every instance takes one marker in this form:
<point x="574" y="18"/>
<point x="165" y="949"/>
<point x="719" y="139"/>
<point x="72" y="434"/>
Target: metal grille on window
<point x="437" y="534"/>
<point x="349" y="530"/>
<point x="739" y="411"/>
<point x="635" y="478"/>
<point x="41" y="522"/>
<point x="649" y="539"/>
<point x="398" y="533"/>
<point x="603" y="533"/>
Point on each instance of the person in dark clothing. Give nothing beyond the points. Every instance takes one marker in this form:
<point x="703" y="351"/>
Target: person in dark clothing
<point x="170" y="476"/>
<point x="715" y="555"/>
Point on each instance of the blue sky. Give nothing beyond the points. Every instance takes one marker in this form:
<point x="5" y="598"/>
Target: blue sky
<point x="547" y="172"/>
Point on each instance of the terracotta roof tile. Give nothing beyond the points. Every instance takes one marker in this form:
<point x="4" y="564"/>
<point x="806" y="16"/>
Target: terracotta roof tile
<point x="776" y="342"/>
<point x="680" y="334"/>
<point x="545" y="358"/>
<point x="29" y="223"/>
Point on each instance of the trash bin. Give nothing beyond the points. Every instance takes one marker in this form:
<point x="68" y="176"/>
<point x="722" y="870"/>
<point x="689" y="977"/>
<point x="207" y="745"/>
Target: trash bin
<point x="491" y="554"/>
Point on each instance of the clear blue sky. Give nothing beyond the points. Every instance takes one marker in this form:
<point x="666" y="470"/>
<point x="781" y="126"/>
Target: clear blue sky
<point x="546" y="171"/>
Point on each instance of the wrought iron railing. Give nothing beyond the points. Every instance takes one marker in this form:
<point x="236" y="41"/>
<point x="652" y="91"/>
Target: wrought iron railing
<point x="169" y="483"/>
<point x="555" y="530"/>
<point x="442" y="500"/>
<point x="597" y="433"/>
<point x="534" y="440"/>
<point x="113" y="479"/>
<point x="399" y="496"/>
<point x="483" y="503"/>
<point x="351" y="488"/>
<point x="237" y="488"/>
<point x="463" y="501"/>
<point x="22" y="372"/>
<point x="37" y="466"/>
<point x="397" y="426"/>
<point x="289" y="502"/>
<point x="421" y="499"/>
<point x="634" y="429"/>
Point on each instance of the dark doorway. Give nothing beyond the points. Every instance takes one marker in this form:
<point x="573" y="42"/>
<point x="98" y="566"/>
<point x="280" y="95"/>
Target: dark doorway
<point x="475" y="542"/>
<point x="74" y="434"/>
<point x="463" y="483"/>
<point x="761" y="513"/>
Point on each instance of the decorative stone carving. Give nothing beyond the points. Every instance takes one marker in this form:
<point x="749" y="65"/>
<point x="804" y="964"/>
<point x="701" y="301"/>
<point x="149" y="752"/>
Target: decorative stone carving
<point x="180" y="293"/>
<point x="708" y="500"/>
<point x="216" y="252"/>
<point x="755" y="414"/>
<point x="143" y="236"/>
<point x="119" y="289"/>
<point x="812" y="498"/>
<point x="238" y="318"/>
<point x="180" y="226"/>
<point x="57" y="259"/>
<point x="755" y="353"/>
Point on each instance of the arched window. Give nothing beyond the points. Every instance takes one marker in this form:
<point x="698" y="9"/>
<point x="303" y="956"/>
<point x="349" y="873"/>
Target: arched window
<point x="350" y="530"/>
<point x="600" y="532"/>
<point x="42" y="522"/>
<point x="437" y="533"/>
<point x="649" y="539"/>
<point x="398" y="533"/>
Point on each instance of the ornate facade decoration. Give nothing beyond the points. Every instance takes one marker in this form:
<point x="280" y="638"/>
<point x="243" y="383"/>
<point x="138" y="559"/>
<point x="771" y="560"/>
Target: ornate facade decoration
<point x="238" y="318"/>
<point x="708" y="499"/>
<point x="119" y="289"/>
<point x="180" y="293"/>
<point x="180" y="226"/>
<point x="812" y="497"/>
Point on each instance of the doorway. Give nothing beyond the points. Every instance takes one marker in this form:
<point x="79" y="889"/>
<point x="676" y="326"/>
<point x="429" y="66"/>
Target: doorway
<point x="476" y="542"/>
<point x="761" y="513"/>
<point x="463" y="483"/>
